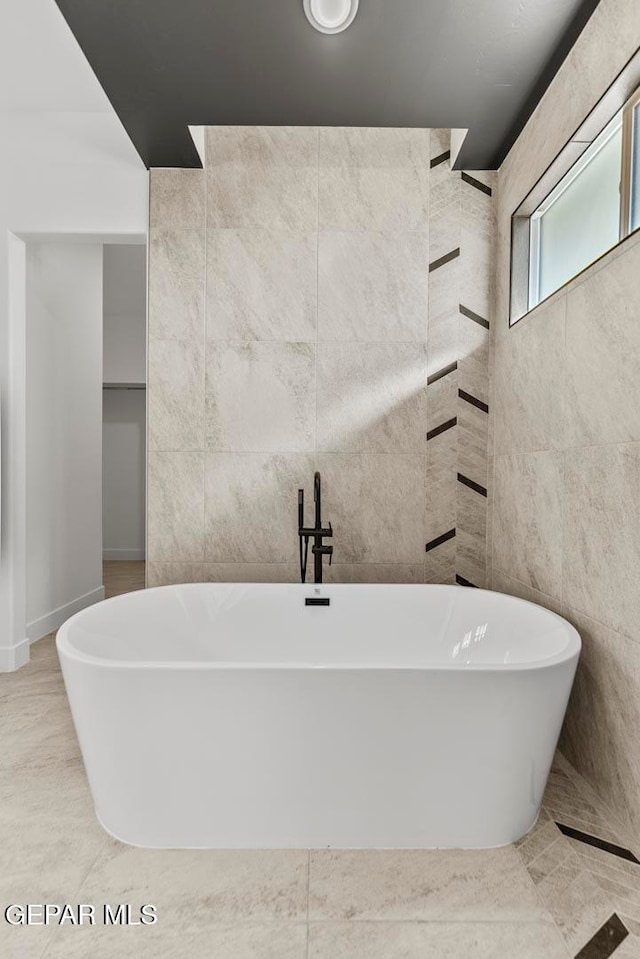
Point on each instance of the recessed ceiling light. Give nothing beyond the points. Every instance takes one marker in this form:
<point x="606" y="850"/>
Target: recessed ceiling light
<point x="330" y="16"/>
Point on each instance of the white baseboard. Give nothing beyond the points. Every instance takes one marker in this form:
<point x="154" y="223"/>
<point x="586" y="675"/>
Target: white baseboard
<point x="51" y="621"/>
<point x="123" y="554"/>
<point x="13" y="657"/>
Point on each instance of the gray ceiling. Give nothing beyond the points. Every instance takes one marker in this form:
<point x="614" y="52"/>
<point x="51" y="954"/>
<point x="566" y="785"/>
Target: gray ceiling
<point x="481" y="64"/>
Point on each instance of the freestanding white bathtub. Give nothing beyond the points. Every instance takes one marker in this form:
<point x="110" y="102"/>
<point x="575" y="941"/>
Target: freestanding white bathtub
<point x="235" y="715"/>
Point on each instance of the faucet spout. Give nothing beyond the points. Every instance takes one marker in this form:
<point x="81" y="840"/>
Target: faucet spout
<point x="317" y="498"/>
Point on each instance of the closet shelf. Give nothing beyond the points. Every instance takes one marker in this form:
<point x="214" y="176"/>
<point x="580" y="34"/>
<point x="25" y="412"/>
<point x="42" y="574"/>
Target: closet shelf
<point x="124" y="386"/>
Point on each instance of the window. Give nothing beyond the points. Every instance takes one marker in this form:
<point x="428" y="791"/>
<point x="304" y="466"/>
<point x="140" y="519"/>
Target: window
<point x="587" y="201"/>
<point x="580" y="219"/>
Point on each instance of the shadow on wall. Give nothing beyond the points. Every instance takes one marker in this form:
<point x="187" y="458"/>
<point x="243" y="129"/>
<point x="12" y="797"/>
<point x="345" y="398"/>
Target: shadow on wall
<point x="377" y="467"/>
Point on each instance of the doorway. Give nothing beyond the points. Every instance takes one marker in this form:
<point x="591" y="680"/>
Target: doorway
<point x="85" y="416"/>
<point x="124" y="417"/>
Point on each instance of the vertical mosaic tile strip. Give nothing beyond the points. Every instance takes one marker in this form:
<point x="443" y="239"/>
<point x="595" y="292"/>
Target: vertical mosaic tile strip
<point x="461" y="226"/>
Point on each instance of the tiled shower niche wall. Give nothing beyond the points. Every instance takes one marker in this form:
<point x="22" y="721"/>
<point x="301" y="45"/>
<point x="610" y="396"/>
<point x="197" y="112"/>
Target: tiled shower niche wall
<point x="319" y="299"/>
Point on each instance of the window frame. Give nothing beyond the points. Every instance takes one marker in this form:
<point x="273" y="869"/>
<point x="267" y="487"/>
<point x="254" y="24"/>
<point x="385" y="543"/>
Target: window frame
<point x="629" y="134"/>
<point x="621" y="98"/>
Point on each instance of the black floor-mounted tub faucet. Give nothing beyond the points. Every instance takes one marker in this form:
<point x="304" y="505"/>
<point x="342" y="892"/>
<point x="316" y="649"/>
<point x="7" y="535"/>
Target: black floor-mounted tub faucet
<point x="317" y="534"/>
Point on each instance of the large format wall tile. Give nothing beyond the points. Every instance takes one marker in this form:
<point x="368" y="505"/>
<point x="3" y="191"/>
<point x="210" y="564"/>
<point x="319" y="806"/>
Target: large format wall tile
<point x="601" y="730"/>
<point x="376" y="504"/>
<point x="166" y="574"/>
<point x="262" y="284"/>
<point x="346" y="290"/>
<point x="603" y="354"/>
<point x="251" y="572"/>
<point x="176" y="395"/>
<point x="260" y="396"/>
<point x="372" y="573"/>
<point x="372" y="397"/>
<point x="602" y="534"/>
<point x="172" y="574"/>
<point x="176" y="199"/>
<point x="527" y="534"/>
<point x="374" y="179"/>
<point x="251" y="506"/>
<point x="262" y="177"/>
<point x="529" y="382"/>
<point x="175" y="507"/>
<point x="372" y="286"/>
<point x="176" y="284"/>
<point x="503" y="583"/>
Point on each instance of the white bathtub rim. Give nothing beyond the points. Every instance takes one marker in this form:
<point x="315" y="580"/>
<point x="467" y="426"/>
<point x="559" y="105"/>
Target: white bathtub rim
<point x="68" y="649"/>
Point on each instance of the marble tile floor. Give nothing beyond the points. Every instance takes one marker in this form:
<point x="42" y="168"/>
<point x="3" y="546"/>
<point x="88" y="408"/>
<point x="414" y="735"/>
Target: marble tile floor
<point x="556" y="894"/>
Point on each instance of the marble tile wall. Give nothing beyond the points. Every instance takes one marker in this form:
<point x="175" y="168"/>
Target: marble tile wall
<point x="566" y="509"/>
<point x="319" y="299"/>
<point x="565" y="517"/>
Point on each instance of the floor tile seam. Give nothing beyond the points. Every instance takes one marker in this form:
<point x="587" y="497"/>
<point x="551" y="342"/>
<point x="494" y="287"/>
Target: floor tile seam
<point x="584" y="873"/>
<point x="307" y="944"/>
<point x="557" y="868"/>
<point x="515" y="921"/>
<point x="565" y="809"/>
<point x="553" y="843"/>
<point x="595" y="863"/>
<point x="561" y="810"/>
<point x="76" y="895"/>
<point x="566" y="790"/>
<point x="618" y="895"/>
<point x="297" y="923"/>
<point x="538" y="895"/>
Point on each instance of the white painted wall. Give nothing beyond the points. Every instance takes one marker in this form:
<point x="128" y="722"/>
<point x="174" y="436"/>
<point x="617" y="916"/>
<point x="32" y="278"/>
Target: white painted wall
<point x="67" y="167"/>
<point x="125" y="311"/>
<point x="123" y="472"/>
<point x="63" y="430"/>
<point x="124" y="411"/>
